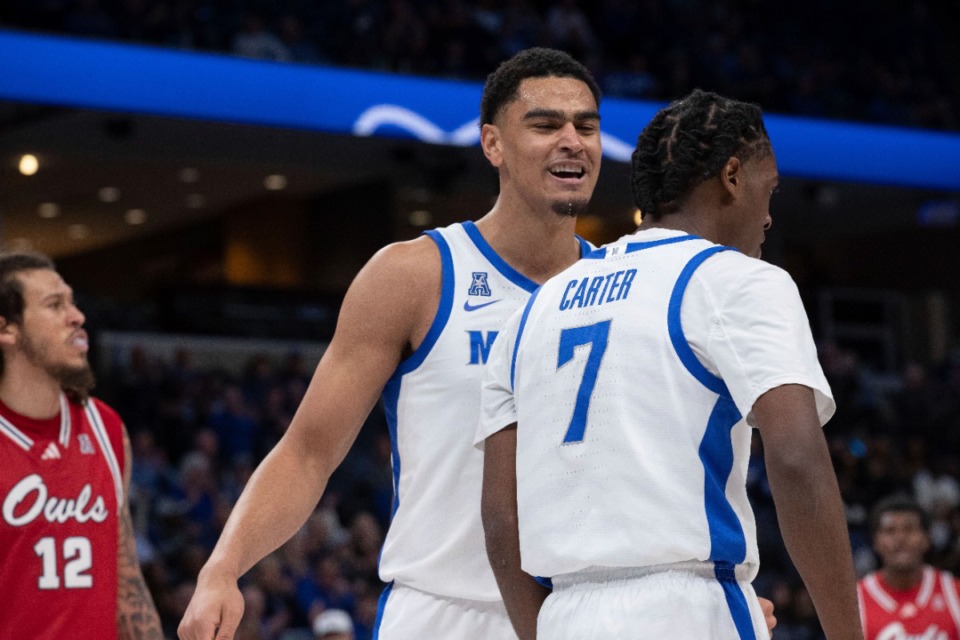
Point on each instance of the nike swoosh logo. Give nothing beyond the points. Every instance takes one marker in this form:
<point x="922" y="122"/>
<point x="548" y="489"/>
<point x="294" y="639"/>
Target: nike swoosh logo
<point x="473" y="307"/>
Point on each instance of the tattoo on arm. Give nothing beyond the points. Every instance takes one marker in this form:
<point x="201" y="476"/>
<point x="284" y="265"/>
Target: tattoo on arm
<point x="137" y="617"/>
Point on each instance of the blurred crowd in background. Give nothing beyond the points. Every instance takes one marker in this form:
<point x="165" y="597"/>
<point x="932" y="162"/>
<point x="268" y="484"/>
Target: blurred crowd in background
<point x="198" y="434"/>
<point x="883" y="62"/>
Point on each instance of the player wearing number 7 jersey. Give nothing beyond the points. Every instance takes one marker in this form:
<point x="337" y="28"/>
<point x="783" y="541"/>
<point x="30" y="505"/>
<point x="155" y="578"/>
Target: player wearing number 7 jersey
<point x="69" y="565"/>
<point x="617" y="409"/>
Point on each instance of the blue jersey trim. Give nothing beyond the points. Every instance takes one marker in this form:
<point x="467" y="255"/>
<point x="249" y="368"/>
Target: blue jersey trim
<point x="494" y="258"/>
<point x="381" y="607"/>
<point x="637" y="246"/>
<point x="680" y="345"/>
<point x="600" y="254"/>
<point x="739" y="610"/>
<point x="391" y="398"/>
<point x="585" y="247"/>
<point x="516" y="345"/>
<point x="391" y="391"/>
<point x="547" y="583"/>
<point x="447" y="282"/>
<point x="727" y="541"/>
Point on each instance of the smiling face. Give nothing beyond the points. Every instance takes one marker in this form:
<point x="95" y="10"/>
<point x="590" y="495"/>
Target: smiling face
<point x="50" y="337"/>
<point x="546" y="145"/>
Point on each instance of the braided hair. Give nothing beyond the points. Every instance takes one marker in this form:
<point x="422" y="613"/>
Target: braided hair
<point x="537" y="62"/>
<point x="689" y="142"/>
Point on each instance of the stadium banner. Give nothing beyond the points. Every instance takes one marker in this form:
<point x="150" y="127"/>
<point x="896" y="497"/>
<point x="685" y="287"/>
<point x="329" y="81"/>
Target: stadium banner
<point x="93" y="74"/>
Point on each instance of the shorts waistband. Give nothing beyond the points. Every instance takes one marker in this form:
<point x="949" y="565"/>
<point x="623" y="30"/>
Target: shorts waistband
<point x="600" y="575"/>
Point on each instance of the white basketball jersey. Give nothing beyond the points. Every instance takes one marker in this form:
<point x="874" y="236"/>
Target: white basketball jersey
<point x="629" y="374"/>
<point x="435" y="542"/>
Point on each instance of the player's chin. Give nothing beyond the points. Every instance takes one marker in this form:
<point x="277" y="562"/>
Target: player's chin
<point x="570" y="206"/>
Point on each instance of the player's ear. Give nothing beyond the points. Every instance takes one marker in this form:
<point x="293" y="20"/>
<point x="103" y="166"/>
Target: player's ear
<point x="731" y="176"/>
<point x="8" y="332"/>
<point x="490" y="142"/>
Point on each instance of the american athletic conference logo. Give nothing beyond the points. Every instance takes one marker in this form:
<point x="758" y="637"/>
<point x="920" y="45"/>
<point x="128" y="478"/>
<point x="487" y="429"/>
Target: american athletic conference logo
<point x="479" y="285"/>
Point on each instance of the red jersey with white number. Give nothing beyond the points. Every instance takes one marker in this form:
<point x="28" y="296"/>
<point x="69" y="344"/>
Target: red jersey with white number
<point x="929" y="611"/>
<point x="60" y="492"/>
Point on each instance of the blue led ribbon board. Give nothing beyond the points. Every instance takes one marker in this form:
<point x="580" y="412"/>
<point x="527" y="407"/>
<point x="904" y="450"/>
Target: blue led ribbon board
<point x="137" y="79"/>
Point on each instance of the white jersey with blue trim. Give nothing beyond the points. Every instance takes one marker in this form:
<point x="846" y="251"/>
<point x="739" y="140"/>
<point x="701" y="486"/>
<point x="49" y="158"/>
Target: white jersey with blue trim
<point x="630" y="374"/>
<point x="435" y="542"/>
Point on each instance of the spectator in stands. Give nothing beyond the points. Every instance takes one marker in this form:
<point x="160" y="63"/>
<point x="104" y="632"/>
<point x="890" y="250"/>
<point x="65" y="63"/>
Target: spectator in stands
<point x="333" y="624"/>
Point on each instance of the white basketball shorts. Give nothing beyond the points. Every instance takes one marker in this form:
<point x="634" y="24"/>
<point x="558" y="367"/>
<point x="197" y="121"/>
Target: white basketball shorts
<point x="408" y="614"/>
<point x="670" y="605"/>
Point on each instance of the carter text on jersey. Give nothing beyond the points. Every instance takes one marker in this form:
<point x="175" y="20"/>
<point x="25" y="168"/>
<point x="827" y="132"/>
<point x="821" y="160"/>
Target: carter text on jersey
<point x="586" y="292"/>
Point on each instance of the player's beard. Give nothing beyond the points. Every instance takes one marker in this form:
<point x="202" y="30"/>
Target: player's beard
<point x="76" y="381"/>
<point x="570" y="208"/>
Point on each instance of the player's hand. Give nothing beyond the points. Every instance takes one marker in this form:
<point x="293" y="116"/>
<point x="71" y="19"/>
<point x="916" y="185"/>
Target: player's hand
<point x="767" y="607"/>
<point x="215" y="609"/>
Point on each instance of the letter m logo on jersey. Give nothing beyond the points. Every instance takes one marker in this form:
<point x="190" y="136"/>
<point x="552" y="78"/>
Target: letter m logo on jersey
<point x="480" y="346"/>
<point x="479" y="286"/>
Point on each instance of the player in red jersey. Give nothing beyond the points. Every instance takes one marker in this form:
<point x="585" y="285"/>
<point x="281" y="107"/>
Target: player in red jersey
<point x="69" y="566"/>
<point x="906" y="599"/>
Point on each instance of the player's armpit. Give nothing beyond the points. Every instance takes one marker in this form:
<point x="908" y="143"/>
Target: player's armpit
<point x="137" y="617"/>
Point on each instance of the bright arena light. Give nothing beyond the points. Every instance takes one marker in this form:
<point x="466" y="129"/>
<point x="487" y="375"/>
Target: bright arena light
<point x="29" y="164"/>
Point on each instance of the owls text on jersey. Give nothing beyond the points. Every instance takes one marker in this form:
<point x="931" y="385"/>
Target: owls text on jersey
<point x="61" y="491"/>
<point x="435" y="541"/>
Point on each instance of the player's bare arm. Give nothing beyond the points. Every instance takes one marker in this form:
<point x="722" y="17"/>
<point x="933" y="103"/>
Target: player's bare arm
<point x="384" y="314"/>
<point x="522" y="595"/>
<point x="808" y="504"/>
<point x="137" y="617"/>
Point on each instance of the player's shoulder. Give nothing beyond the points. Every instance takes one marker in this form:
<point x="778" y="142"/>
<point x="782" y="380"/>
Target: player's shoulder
<point x="731" y="268"/>
<point x="414" y="254"/>
<point x="402" y="268"/>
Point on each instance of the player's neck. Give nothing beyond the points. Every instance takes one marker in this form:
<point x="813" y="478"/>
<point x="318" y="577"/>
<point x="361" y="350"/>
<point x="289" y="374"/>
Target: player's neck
<point x="30" y="392"/>
<point x="902" y="579"/>
<point x="538" y="246"/>
<point x="681" y="221"/>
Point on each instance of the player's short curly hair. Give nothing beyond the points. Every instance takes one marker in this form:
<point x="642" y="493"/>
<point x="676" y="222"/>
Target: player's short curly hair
<point x="897" y="503"/>
<point x="538" y="62"/>
<point x="689" y="142"/>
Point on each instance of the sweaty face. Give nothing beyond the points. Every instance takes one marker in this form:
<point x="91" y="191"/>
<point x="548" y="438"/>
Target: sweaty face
<point x="51" y="336"/>
<point x="548" y="146"/>
<point x="760" y="180"/>
<point x="900" y="540"/>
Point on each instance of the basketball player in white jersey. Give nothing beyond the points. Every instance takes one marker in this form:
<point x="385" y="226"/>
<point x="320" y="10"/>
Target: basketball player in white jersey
<point x="618" y="405"/>
<point x="417" y="325"/>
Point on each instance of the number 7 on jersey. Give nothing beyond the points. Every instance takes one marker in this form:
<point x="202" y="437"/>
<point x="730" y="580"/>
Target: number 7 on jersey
<point x="596" y="336"/>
